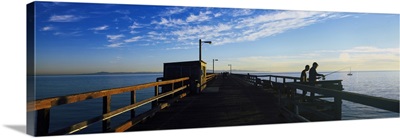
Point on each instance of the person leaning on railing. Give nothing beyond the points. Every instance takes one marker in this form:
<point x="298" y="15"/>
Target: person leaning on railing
<point x="303" y="77"/>
<point x="313" y="74"/>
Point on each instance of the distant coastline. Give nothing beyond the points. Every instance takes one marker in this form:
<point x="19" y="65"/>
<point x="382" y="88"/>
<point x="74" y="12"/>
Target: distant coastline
<point x="208" y="71"/>
<point x="112" y="73"/>
<point x="101" y="73"/>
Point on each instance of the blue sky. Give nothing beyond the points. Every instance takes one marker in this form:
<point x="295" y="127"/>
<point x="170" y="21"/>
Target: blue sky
<point x="84" y="38"/>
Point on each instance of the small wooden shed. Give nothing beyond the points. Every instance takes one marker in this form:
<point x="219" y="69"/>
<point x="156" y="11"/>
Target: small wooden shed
<point x="195" y="70"/>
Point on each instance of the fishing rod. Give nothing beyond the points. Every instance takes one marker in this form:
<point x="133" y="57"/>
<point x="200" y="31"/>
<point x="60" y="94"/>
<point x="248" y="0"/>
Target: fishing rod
<point x="335" y="71"/>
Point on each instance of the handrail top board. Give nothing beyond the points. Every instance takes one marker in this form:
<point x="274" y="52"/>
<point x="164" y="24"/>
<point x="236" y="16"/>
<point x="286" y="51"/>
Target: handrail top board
<point x="60" y="100"/>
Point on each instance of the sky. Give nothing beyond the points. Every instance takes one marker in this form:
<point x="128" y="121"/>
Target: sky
<point x="73" y="38"/>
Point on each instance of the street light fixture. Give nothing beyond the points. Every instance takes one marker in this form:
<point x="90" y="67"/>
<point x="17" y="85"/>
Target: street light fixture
<point x="230" y="71"/>
<point x="209" y="42"/>
<point x="213" y="63"/>
<point x="199" y="81"/>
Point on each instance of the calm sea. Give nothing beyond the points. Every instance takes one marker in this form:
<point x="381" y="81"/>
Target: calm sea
<point x="66" y="115"/>
<point x="374" y="83"/>
<point x="381" y="84"/>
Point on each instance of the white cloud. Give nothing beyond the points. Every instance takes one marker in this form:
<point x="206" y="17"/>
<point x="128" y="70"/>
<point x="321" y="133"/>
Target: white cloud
<point x="370" y="49"/>
<point x="74" y="33"/>
<point x="153" y="33"/>
<point x="65" y="18"/>
<point x="133" y="39"/>
<point x="180" y="48"/>
<point x="135" y="26"/>
<point x="169" y="22"/>
<point x="156" y="36"/>
<point x="122" y="11"/>
<point x="203" y="16"/>
<point x="277" y="17"/>
<point x="364" y="49"/>
<point x="222" y="27"/>
<point x="218" y="14"/>
<point x="116" y="59"/>
<point x="201" y="30"/>
<point x="100" y="28"/>
<point x="113" y="45"/>
<point x="362" y="57"/>
<point x="370" y="55"/>
<point x="126" y="17"/>
<point x="172" y="11"/>
<point x="242" y="12"/>
<point x="112" y="38"/>
<point x="344" y="57"/>
<point x="47" y="28"/>
<point x="247" y="28"/>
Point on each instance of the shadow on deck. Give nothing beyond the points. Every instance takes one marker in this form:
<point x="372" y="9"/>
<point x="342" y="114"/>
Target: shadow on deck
<point x="225" y="102"/>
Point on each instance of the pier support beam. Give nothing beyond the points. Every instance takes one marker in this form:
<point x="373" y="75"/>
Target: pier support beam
<point x="154" y="104"/>
<point x="133" y="101"/>
<point x="43" y="122"/>
<point x="338" y="108"/>
<point x="106" y="109"/>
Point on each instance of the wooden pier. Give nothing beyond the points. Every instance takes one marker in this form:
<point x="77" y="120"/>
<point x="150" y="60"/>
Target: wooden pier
<point x="225" y="102"/>
<point x="231" y="100"/>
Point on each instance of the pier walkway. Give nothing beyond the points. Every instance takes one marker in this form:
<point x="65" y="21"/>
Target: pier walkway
<point x="225" y="102"/>
<point x="231" y="101"/>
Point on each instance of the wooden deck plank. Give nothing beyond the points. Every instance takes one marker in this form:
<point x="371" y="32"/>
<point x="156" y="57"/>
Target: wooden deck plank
<point x="228" y="102"/>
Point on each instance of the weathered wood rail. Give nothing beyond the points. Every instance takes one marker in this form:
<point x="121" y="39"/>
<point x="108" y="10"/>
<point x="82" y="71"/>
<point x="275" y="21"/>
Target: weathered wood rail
<point x="297" y="101"/>
<point x="42" y="107"/>
<point x="324" y="101"/>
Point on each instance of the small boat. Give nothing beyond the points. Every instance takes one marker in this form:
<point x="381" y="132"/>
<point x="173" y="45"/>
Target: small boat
<point x="349" y="74"/>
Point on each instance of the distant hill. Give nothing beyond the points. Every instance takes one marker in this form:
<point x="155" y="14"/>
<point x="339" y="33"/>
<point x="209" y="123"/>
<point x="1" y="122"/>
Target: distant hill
<point x="234" y="70"/>
<point x="111" y="73"/>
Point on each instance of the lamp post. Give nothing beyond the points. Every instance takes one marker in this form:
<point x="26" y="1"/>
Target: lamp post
<point x="213" y="63"/>
<point x="209" y="42"/>
<point x="200" y="70"/>
<point x="230" y="70"/>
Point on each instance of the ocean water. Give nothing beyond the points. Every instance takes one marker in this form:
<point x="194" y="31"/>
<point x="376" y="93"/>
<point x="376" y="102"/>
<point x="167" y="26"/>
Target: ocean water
<point x="66" y="115"/>
<point x="374" y="83"/>
<point x="381" y="84"/>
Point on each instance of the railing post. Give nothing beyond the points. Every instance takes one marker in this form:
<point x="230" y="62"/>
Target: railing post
<point x="156" y="91"/>
<point x="106" y="109"/>
<point x="43" y="122"/>
<point x="312" y="96"/>
<point x="256" y="81"/>
<point x="295" y="104"/>
<point x="133" y="101"/>
<point x="280" y="97"/>
<point x="173" y="88"/>
<point x="338" y="108"/>
<point x="182" y="83"/>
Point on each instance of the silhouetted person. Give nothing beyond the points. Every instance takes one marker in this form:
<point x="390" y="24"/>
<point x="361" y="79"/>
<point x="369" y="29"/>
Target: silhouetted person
<point x="313" y="74"/>
<point x="303" y="76"/>
<point x="224" y="75"/>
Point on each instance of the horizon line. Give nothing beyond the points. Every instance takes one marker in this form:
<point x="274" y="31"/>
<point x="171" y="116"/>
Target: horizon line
<point x="208" y="71"/>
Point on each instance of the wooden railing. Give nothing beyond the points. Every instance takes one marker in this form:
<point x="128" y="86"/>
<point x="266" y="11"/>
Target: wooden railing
<point x="377" y="102"/>
<point x="292" y="100"/>
<point x="43" y="106"/>
<point x="209" y="77"/>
